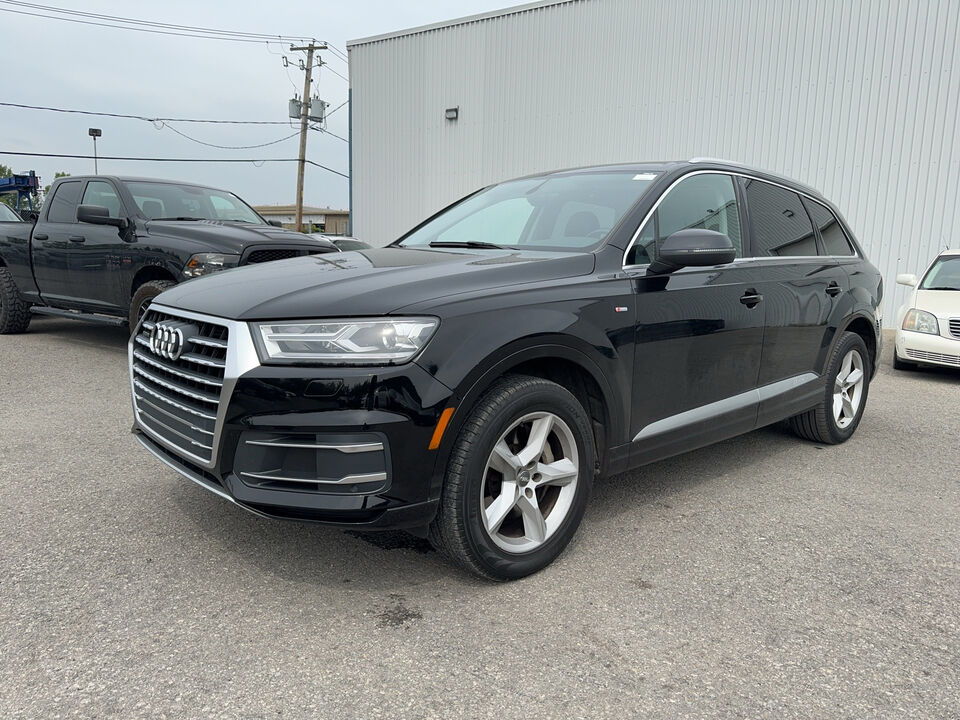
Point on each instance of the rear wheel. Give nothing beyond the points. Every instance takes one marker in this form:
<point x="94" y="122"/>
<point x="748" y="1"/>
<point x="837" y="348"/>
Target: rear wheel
<point x="14" y="310"/>
<point x="837" y="416"/>
<point x="143" y="297"/>
<point x="518" y="480"/>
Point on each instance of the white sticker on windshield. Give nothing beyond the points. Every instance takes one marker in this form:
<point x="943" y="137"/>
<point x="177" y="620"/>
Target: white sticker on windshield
<point x="645" y="176"/>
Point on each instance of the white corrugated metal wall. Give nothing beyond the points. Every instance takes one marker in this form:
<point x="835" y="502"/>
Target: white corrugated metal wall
<point x="859" y="99"/>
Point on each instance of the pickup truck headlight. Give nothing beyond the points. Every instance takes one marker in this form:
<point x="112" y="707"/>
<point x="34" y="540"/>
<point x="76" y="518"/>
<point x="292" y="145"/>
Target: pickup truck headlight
<point x="921" y="321"/>
<point x="375" y="341"/>
<point x="206" y="263"/>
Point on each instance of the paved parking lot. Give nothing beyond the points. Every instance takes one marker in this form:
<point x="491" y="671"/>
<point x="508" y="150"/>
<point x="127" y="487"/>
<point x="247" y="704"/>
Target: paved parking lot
<point x="762" y="577"/>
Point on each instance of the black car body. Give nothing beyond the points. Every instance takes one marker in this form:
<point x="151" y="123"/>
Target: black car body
<point x="662" y="358"/>
<point x="104" y="246"/>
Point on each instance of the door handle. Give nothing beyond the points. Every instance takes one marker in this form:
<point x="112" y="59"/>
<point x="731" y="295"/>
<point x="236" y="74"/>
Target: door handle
<point x="833" y="289"/>
<point x="40" y="236"/>
<point x="77" y="238"/>
<point x="751" y="298"/>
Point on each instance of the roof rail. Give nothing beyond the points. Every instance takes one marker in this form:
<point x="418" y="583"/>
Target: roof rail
<point x="714" y="160"/>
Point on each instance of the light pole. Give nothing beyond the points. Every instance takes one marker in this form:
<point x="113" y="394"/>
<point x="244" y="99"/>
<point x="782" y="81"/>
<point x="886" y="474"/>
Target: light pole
<point x="94" y="133"/>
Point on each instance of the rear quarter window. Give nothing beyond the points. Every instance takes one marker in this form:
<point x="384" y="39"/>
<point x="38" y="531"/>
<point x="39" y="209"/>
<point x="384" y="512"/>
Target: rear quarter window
<point x="834" y="239"/>
<point x="779" y="224"/>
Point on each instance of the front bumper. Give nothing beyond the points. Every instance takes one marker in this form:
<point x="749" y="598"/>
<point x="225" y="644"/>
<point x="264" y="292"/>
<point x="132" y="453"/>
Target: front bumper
<point x="346" y="446"/>
<point x="926" y="348"/>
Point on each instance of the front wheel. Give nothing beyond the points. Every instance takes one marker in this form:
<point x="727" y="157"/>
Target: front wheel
<point x="518" y="480"/>
<point x="143" y="297"/>
<point x="837" y="416"/>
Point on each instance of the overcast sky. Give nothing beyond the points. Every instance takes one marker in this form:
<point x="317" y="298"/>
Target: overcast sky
<point x="67" y="65"/>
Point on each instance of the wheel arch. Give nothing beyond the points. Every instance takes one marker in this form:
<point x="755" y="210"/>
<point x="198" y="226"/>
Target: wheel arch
<point x="864" y="326"/>
<point x="147" y="274"/>
<point x="552" y="360"/>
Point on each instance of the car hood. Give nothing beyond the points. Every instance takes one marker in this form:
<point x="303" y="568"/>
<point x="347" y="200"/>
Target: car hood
<point x="232" y="237"/>
<point x="366" y="282"/>
<point x="942" y="303"/>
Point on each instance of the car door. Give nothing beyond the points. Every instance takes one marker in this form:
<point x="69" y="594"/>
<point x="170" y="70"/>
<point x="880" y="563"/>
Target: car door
<point x="96" y="253"/>
<point x="801" y="287"/>
<point x="51" y="245"/>
<point x="699" y="330"/>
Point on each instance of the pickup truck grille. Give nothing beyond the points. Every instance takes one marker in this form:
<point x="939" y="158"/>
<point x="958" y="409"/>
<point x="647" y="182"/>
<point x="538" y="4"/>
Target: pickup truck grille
<point x="176" y="389"/>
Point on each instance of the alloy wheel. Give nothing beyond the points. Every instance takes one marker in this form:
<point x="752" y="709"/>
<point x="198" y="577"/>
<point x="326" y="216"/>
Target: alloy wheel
<point x="529" y="482"/>
<point x="848" y="389"/>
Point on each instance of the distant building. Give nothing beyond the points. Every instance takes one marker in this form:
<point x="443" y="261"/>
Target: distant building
<point x="315" y="219"/>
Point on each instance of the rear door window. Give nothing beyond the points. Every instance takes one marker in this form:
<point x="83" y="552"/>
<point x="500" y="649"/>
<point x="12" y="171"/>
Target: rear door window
<point x="779" y="224"/>
<point x="63" y="205"/>
<point x="832" y="236"/>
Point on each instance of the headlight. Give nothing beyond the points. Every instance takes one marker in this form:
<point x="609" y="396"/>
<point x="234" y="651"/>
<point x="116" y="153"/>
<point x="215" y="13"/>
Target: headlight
<point x="206" y="263"/>
<point x="377" y="341"/>
<point x="921" y="321"/>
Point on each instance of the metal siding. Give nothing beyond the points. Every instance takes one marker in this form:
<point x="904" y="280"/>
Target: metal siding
<point x="859" y="100"/>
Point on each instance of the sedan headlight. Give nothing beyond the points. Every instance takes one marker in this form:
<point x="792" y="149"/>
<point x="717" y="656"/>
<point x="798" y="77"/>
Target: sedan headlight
<point x="921" y="321"/>
<point x="206" y="263"/>
<point x="377" y="341"/>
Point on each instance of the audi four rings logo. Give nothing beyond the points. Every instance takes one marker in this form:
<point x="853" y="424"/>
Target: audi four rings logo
<point x="166" y="341"/>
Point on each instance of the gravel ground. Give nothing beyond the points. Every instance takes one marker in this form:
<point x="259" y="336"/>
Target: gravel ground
<point x="761" y="577"/>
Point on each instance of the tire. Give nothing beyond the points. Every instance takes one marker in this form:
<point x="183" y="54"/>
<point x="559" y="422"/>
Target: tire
<point x="143" y="296"/>
<point x="14" y="310"/>
<point x="899" y="364"/>
<point x="823" y="424"/>
<point x="547" y="446"/>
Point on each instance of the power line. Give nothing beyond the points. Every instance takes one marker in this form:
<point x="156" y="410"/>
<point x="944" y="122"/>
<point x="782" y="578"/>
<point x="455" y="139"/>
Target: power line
<point x="229" y="147"/>
<point x="144" y="117"/>
<point x="125" y="23"/>
<point x="255" y="161"/>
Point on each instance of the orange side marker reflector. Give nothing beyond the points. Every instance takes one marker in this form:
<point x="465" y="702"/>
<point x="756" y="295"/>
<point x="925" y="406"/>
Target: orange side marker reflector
<point x="441" y="427"/>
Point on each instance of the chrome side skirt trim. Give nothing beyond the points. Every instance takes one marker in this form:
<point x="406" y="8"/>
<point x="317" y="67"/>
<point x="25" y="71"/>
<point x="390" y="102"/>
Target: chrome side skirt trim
<point x="727" y="405"/>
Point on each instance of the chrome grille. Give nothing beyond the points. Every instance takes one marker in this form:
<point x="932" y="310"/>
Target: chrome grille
<point x="934" y="357"/>
<point x="955" y="327"/>
<point x="177" y="400"/>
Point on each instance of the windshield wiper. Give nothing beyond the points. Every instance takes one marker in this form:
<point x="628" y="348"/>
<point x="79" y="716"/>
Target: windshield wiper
<point x="940" y="287"/>
<point x="179" y="218"/>
<point x="467" y="244"/>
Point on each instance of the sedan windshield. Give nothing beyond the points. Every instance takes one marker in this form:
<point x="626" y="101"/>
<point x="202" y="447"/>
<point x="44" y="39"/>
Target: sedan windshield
<point x="944" y="275"/>
<point x="555" y="212"/>
<point x="168" y="201"/>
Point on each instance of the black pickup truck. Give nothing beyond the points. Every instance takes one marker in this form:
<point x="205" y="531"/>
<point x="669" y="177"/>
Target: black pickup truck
<point x="103" y="247"/>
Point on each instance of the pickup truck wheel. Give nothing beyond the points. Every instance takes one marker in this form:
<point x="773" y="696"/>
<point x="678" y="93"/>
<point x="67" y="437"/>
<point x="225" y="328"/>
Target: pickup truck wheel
<point x="518" y="480"/>
<point x="14" y="310"/>
<point x="837" y="416"/>
<point x="143" y="296"/>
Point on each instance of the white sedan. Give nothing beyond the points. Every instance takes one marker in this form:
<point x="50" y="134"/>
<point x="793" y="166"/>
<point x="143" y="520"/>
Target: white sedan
<point x="928" y="324"/>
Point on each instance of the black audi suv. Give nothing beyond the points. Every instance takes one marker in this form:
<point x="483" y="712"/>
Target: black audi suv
<point x="471" y="381"/>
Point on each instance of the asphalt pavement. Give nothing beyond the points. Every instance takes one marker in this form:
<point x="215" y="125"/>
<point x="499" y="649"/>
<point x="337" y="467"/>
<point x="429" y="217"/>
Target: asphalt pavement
<point x="764" y="577"/>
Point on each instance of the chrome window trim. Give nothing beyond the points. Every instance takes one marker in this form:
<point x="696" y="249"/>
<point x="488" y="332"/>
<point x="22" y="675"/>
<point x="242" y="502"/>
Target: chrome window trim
<point x="732" y="174"/>
<point x="241" y="358"/>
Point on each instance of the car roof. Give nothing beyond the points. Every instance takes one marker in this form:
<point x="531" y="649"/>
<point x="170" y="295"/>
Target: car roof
<point x="678" y="166"/>
<point x="129" y="178"/>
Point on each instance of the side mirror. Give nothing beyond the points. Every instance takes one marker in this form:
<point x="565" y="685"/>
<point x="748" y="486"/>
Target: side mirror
<point x="693" y="248"/>
<point x="97" y="215"/>
<point x="275" y="223"/>
<point x="908" y="279"/>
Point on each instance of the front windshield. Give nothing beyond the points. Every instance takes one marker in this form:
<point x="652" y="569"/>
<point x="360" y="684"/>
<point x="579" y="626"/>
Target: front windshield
<point x="944" y="275"/>
<point x="556" y="212"/>
<point x="168" y="201"/>
<point x="7" y="215"/>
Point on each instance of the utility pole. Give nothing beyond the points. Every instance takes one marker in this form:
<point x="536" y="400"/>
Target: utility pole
<point x="304" y="112"/>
